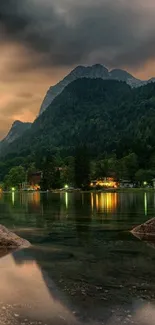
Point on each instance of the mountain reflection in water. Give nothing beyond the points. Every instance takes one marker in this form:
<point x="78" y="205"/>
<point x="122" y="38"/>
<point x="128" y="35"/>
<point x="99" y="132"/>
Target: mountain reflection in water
<point x="27" y="287"/>
<point x="85" y="267"/>
<point x="23" y="285"/>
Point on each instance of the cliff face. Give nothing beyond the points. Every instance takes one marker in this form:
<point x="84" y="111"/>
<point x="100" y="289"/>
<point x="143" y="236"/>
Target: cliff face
<point x="93" y="72"/>
<point x="17" y="130"/>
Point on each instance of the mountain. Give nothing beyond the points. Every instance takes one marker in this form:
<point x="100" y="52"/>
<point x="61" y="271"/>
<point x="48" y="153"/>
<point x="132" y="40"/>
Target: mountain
<point x="93" y="72"/>
<point x="16" y="131"/>
<point x="106" y="115"/>
<point x="121" y="75"/>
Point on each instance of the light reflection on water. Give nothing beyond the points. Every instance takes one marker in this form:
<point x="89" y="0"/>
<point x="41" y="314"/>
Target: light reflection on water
<point x="83" y="246"/>
<point x="107" y="203"/>
<point x="66" y="200"/>
<point x="104" y="202"/>
<point x="145" y="203"/>
<point x="100" y="202"/>
<point x="122" y="210"/>
<point x="13" y="197"/>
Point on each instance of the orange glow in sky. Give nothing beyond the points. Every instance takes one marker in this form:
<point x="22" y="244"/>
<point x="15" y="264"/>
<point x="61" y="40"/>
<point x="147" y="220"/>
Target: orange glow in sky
<point x="41" y="41"/>
<point x="22" y="92"/>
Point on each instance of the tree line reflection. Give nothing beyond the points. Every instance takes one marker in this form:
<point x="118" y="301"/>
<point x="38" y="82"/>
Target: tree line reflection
<point x="41" y="209"/>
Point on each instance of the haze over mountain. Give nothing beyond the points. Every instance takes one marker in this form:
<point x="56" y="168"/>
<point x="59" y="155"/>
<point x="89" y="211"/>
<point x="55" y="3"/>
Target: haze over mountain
<point x="95" y="71"/>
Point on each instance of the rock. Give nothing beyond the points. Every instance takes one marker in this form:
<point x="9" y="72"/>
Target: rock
<point x="4" y="251"/>
<point x="9" y="240"/>
<point x="146" y="229"/>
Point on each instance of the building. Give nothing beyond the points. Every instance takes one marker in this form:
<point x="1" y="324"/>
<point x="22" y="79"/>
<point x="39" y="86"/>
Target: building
<point x="106" y="182"/>
<point x="34" y="178"/>
<point x="33" y="182"/>
<point x="124" y="183"/>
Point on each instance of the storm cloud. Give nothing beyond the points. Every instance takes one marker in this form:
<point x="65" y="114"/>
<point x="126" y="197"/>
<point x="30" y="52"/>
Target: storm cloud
<point x="69" y="32"/>
<point x="42" y="40"/>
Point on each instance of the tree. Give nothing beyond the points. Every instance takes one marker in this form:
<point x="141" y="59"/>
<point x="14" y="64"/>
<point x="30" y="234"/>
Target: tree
<point x="15" y="177"/>
<point x="51" y="174"/>
<point x="31" y="169"/>
<point x="67" y="172"/>
<point x="107" y="167"/>
<point x="82" y="168"/>
<point x="129" y="166"/>
<point x="143" y="175"/>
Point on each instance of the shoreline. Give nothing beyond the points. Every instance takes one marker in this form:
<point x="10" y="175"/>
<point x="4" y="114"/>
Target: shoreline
<point x="93" y="191"/>
<point x="118" y="190"/>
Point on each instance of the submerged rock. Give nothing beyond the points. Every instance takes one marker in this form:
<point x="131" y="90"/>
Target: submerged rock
<point x="9" y="240"/>
<point x="146" y="229"/>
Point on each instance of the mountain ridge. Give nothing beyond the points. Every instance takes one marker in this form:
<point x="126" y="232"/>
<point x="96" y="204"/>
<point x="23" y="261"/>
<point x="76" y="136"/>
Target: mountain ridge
<point x="94" y="71"/>
<point x="107" y="115"/>
<point x="17" y="129"/>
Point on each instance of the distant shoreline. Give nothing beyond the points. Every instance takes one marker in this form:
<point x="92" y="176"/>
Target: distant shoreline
<point x="116" y="190"/>
<point x="121" y="190"/>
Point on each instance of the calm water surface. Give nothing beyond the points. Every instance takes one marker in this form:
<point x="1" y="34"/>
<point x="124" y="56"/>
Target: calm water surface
<point x="84" y="266"/>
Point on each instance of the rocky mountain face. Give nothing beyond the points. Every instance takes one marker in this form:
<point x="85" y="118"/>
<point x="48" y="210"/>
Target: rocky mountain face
<point x="93" y="72"/>
<point x="16" y="131"/>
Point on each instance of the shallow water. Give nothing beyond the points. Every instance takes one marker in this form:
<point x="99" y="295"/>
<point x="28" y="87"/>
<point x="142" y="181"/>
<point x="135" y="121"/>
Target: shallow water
<point x="84" y="265"/>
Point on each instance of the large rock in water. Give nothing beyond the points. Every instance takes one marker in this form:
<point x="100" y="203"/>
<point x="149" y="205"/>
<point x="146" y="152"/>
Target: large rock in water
<point x="9" y="240"/>
<point x="146" y="229"/>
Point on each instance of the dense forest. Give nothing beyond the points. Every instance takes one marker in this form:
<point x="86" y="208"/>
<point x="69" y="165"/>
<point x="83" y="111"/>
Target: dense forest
<point x="115" y="123"/>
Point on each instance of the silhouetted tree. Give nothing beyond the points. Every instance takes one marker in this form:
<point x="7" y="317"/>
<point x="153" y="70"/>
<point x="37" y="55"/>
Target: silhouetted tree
<point x="82" y="167"/>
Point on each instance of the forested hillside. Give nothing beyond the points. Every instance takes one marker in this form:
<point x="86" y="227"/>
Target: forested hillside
<point x="108" y="117"/>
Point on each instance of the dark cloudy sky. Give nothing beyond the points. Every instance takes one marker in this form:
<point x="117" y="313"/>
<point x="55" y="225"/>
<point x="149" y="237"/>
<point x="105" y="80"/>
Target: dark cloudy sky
<point x="41" y="40"/>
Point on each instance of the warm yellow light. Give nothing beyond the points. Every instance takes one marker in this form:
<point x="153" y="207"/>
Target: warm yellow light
<point x="104" y="202"/>
<point x="92" y="201"/>
<point x="109" y="182"/>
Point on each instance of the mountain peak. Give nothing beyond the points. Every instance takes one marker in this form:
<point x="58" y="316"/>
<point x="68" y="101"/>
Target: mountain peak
<point x="17" y="123"/>
<point x="17" y="129"/>
<point x="95" y="71"/>
<point x="99" y="66"/>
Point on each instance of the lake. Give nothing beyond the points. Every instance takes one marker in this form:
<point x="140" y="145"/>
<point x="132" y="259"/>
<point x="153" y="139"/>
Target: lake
<point x="84" y="266"/>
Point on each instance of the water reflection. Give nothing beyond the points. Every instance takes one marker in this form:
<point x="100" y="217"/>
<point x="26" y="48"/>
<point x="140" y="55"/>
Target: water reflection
<point x="104" y="202"/>
<point x="13" y="198"/>
<point x="32" y="199"/>
<point x="25" y="286"/>
<point x="123" y="210"/>
<point x="66" y="200"/>
<point x="82" y="254"/>
<point x="66" y="285"/>
<point x="145" y="203"/>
